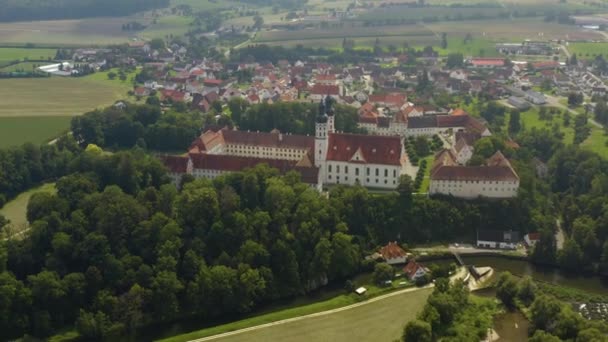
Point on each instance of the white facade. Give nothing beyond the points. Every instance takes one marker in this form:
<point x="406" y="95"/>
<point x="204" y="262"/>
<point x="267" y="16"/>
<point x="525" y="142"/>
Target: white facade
<point x="262" y="152"/>
<point x="464" y="155"/>
<point x="397" y="260"/>
<point x="354" y="171"/>
<point x="496" y="244"/>
<point x="367" y="175"/>
<point x="474" y="189"/>
<point x="394" y="128"/>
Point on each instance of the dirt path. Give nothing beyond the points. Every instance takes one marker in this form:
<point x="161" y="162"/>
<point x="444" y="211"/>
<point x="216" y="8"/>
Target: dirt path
<point x="323" y="313"/>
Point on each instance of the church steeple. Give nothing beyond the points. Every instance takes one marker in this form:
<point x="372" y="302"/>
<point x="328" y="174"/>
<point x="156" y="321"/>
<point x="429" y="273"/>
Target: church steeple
<point x="328" y="104"/>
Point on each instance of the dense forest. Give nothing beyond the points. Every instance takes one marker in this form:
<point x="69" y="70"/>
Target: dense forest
<point x="118" y="248"/>
<point x="23" y="10"/>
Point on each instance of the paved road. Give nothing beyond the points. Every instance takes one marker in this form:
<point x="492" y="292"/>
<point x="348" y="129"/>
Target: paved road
<point x="323" y="313"/>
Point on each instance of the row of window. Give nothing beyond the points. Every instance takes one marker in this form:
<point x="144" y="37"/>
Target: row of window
<point x="367" y="170"/>
<point x="483" y="189"/>
<point x="386" y="182"/>
<point x="443" y="182"/>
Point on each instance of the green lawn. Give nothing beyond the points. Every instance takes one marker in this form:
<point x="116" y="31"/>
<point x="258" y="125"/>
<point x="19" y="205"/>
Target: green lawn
<point x="15" y="210"/>
<point x="426" y="182"/>
<point x="12" y="54"/>
<point x="479" y="47"/>
<point x="382" y="320"/>
<point x="588" y="50"/>
<point x="169" y="25"/>
<point x="35" y="129"/>
<point x="22" y="67"/>
<point x="597" y="142"/>
<point x="530" y="118"/>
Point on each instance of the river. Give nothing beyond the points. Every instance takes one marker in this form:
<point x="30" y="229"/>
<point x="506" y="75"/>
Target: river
<point x="513" y="326"/>
<point x="589" y="283"/>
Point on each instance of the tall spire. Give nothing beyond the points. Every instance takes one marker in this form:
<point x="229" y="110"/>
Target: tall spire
<point x="329" y="105"/>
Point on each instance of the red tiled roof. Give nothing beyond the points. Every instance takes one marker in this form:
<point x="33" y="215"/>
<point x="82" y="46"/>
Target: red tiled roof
<point x="235" y="163"/>
<point x="330" y="77"/>
<point x="212" y="82"/>
<point x="411" y="267"/>
<point x="392" y="251"/>
<point x="374" y="149"/>
<point x="534" y="236"/>
<point x="175" y="164"/>
<point x="459" y="111"/>
<point x="497" y="168"/>
<point x="474" y="173"/>
<point x="268" y="139"/>
<point x="488" y="61"/>
<point x="545" y="64"/>
<point x="322" y="89"/>
<point x="394" y="98"/>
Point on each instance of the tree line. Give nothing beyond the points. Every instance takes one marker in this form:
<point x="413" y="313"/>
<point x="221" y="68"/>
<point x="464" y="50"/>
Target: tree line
<point x="137" y="125"/>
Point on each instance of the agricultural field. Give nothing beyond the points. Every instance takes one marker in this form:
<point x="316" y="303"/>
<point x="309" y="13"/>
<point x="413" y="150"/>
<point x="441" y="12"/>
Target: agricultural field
<point x="39" y="109"/>
<point x="204" y="5"/>
<point x="381" y="320"/>
<point x="88" y="32"/>
<point x="55" y="96"/>
<point x="15" y="210"/>
<point x="588" y="49"/>
<point x="22" y="67"/>
<point x="364" y="37"/>
<point x="12" y="54"/>
<point x="35" y="129"/>
<point x="392" y="13"/>
<point x="515" y="30"/>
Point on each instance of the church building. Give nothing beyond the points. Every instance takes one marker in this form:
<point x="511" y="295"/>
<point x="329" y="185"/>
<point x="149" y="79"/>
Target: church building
<point x="326" y="159"/>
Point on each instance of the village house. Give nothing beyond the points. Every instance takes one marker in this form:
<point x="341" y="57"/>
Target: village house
<point x="393" y="254"/>
<point x="497" y="239"/>
<point x="414" y="270"/>
<point x="531" y="239"/>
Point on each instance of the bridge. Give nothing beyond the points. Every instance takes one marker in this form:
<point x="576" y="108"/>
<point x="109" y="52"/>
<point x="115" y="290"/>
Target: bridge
<point x="458" y="258"/>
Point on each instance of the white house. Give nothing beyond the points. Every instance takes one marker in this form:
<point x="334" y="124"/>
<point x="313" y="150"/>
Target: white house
<point x="414" y="270"/>
<point x="497" y="239"/>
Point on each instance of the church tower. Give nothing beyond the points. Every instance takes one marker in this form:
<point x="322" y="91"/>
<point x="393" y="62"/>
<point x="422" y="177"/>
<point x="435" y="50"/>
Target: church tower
<point x="321" y="136"/>
<point x="329" y="111"/>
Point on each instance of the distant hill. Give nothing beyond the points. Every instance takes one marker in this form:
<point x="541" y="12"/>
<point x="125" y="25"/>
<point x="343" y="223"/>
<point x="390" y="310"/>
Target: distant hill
<point x="23" y="10"/>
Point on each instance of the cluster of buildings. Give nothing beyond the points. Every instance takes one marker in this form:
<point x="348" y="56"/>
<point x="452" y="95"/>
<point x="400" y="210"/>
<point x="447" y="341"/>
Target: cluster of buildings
<point x="326" y="159"/>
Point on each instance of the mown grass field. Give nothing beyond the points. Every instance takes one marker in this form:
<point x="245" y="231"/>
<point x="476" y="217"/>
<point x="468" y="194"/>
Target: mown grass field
<point x="597" y="142"/>
<point x="512" y="30"/>
<point x="23" y="67"/>
<point x="57" y="96"/>
<point x="585" y="50"/>
<point x="12" y="54"/>
<point x="38" y="130"/>
<point x="39" y="109"/>
<point x="382" y="320"/>
<point x="16" y="209"/>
